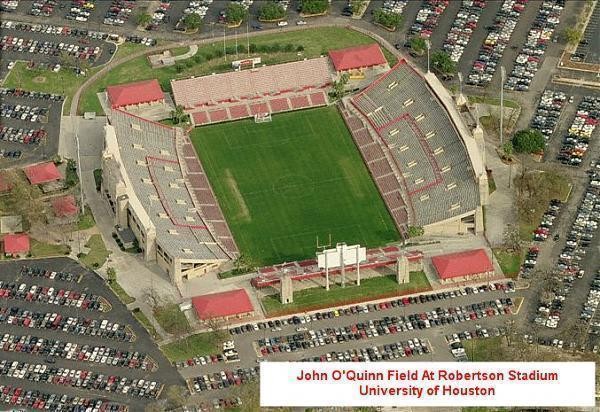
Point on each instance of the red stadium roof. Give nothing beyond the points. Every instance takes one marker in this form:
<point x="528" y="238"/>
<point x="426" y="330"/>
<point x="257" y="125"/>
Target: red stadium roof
<point x="42" y="173"/>
<point x="470" y="262"/>
<point x="16" y="244"/>
<point x="357" y="57"/>
<point x="134" y="93"/>
<point x="64" y="206"/>
<point x="216" y="305"/>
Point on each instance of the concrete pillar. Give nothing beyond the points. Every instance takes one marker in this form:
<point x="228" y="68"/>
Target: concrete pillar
<point x="287" y="290"/>
<point x="402" y="272"/>
<point x="479" y="223"/>
<point x="484" y="189"/>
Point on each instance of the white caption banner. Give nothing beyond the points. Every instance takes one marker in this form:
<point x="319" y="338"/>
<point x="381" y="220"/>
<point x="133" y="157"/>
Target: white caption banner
<point x="537" y="384"/>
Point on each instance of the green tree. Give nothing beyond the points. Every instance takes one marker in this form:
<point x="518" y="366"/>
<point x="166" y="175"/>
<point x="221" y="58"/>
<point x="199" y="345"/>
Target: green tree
<point x="24" y="199"/>
<point x="418" y="45"/>
<point x="528" y="141"/>
<point x="272" y="11"/>
<point x="179" y="115"/>
<point x="111" y="274"/>
<point x="442" y="62"/>
<point x="507" y="150"/>
<point x="235" y="13"/>
<point x="572" y="35"/>
<point x="143" y="19"/>
<point x="339" y="86"/>
<point x="192" y="21"/>
<point x="356" y="5"/>
<point x="313" y="6"/>
<point x="387" y="19"/>
<point x="415" y="231"/>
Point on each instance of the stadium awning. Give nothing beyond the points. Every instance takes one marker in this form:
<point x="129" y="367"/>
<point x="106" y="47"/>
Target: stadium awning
<point x="223" y="304"/>
<point x="64" y="206"/>
<point x="42" y="173"/>
<point x="146" y="91"/>
<point x="468" y="263"/>
<point x="16" y="244"/>
<point x="357" y="57"/>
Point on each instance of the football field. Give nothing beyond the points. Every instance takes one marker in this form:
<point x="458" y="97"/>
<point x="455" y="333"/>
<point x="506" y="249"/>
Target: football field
<point x="283" y="184"/>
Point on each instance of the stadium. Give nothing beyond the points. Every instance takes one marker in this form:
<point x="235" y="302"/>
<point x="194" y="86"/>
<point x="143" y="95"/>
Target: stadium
<point x="270" y="166"/>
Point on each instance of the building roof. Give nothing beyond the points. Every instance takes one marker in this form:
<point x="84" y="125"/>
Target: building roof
<point x="11" y="224"/>
<point x="134" y="93"/>
<point x="16" y="244"/>
<point x="64" y="206"/>
<point x="357" y="57"/>
<point x="42" y="173"/>
<point x="467" y="263"/>
<point x="216" y="305"/>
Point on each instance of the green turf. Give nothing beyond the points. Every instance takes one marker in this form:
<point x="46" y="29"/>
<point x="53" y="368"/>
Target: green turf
<point x="313" y="298"/>
<point x="282" y="184"/>
<point x="509" y="261"/>
<point x="201" y="344"/>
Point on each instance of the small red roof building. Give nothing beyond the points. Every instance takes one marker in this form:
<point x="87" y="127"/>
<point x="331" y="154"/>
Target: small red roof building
<point x="42" y="173"/>
<point x="64" y="206"/>
<point x="146" y="91"/>
<point x="358" y="57"/>
<point x="468" y="263"/>
<point x="17" y="244"/>
<point x="223" y="304"/>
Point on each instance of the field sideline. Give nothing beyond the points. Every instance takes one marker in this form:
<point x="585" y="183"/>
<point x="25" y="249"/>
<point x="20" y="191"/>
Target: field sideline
<point x="282" y="184"/>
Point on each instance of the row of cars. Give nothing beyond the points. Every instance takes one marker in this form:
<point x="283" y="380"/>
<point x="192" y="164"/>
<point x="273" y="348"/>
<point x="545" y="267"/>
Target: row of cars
<point x="22" y="135"/>
<point x="529" y="263"/>
<point x="37" y="47"/>
<point x="52" y="348"/>
<point x="200" y="361"/>
<point x="496" y="42"/>
<point x="224" y="379"/>
<point x="591" y="304"/>
<point x="529" y="60"/>
<point x="43" y="8"/>
<point x="10" y="154"/>
<point x="548" y="112"/>
<point x="393" y="6"/>
<point x="576" y="143"/>
<point x="80" y="10"/>
<point x="388" y="352"/>
<point x="30" y="94"/>
<point x="306" y="339"/>
<point x="38" y="272"/>
<point x="9" y="5"/>
<point x="118" y="12"/>
<point x="23" y="112"/>
<point x="52" y="296"/>
<point x="74" y="325"/>
<point x="199" y="8"/>
<point x="428" y="17"/>
<point x="463" y="27"/>
<point x="543" y="230"/>
<point x="402" y="302"/>
<point x="80" y="379"/>
<point x="35" y="399"/>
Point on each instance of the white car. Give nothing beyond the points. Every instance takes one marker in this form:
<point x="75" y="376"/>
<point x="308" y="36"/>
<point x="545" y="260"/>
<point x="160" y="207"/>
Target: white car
<point x="11" y="65"/>
<point x="282" y="23"/>
<point x="301" y="23"/>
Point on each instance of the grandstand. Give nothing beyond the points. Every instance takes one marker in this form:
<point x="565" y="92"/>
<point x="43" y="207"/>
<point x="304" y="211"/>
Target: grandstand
<point x="157" y="187"/>
<point x="415" y="152"/>
<point x="269" y="89"/>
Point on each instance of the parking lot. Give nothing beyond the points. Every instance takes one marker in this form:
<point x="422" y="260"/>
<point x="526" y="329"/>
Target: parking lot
<point x="73" y="337"/>
<point x="588" y="49"/>
<point x="29" y="126"/>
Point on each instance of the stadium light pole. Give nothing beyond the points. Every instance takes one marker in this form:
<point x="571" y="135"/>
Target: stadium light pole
<point x="428" y="47"/>
<point x="460" y="80"/>
<point x="502" y="78"/>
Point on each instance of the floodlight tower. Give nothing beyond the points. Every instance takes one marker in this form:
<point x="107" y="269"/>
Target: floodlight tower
<point x="428" y="47"/>
<point x="502" y="79"/>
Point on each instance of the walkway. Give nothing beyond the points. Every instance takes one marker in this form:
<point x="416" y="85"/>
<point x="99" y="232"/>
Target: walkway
<point x="192" y="52"/>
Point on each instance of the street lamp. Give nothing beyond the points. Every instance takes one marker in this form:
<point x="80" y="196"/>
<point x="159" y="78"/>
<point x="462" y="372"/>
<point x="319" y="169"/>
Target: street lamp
<point x="428" y="47"/>
<point x="460" y="80"/>
<point x="502" y="79"/>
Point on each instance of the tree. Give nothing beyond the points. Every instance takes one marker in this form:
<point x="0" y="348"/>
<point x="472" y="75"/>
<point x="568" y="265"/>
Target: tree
<point x="176" y="396"/>
<point x="144" y="19"/>
<point x="314" y="6"/>
<point x="572" y="35"/>
<point x="235" y="13"/>
<point x="441" y="61"/>
<point x="179" y="115"/>
<point x="388" y="19"/>
<point x="356" y="6"/>
<point x="66" y="60"/>
<point x="271" y="11"/>
<point x="507" y="151"/>
<point x="111" y="274"/>
<point x="511" y="237"/>
<point x="418" y="45"/>
<point x="415" y="231"/>
<point x="192" y="21"/>
<point x="339" y="86"/>
<point x="528" y="141"/>
<point x="24" y="199"/>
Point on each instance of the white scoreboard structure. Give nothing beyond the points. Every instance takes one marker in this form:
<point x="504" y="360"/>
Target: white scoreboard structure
<point x="340" y="257"/>
<point x="246" y="63"/>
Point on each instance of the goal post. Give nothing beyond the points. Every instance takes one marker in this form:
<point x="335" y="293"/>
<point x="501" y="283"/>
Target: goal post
<point x="262" y="117"/>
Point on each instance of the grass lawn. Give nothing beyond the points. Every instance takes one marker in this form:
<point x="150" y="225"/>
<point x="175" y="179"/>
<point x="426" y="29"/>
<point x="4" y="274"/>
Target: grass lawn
<point x="195" y="345"/>
<point x="493" y="101"/>
<point x="41" y="249"/>
<point x="282" y="184"/>
<point x="369" y="289"/>
<point x="488" y="349"/>
<point x="510" y="262"/>
<point x="145" y="322"/>
<point x="171" y="318"/>
<point x="86" y="221"/>
<point x="98" y="253"/>
<point x="121" y="294"/>
<point x="315" y="41"/>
